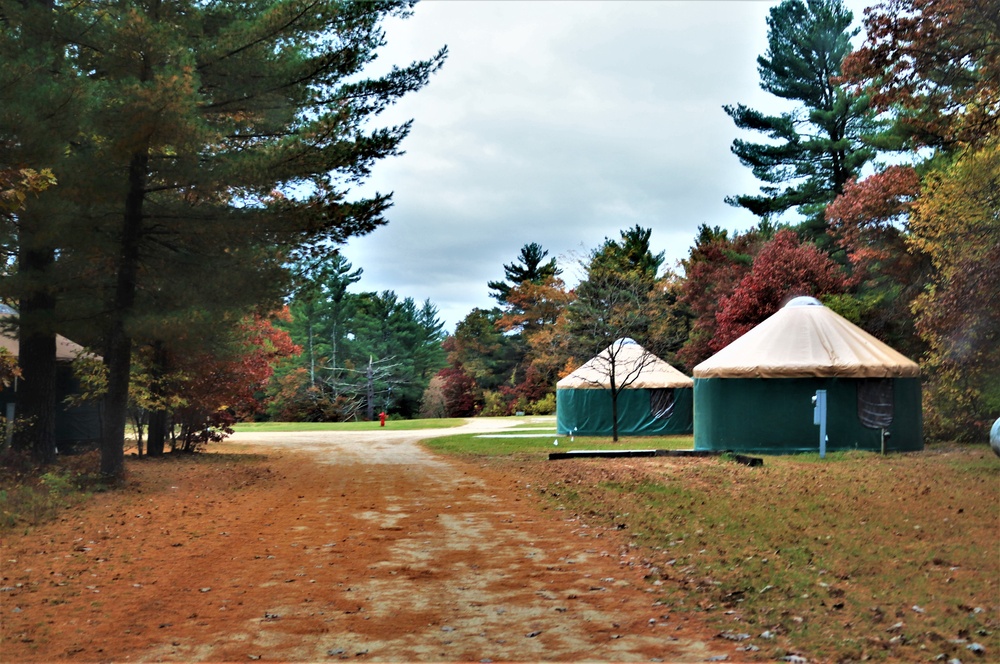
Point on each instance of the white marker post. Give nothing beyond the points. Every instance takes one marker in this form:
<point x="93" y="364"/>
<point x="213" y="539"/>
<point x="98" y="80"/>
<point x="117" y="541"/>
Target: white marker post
<point x="819" y="417"/>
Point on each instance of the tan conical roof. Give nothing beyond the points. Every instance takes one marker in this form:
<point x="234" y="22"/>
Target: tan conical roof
<point x="804" y="339"/>
<point x="631" y="360"/>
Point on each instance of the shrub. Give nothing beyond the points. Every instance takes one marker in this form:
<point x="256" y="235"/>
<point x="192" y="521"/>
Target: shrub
<point x="494" y="404"/>
<point x="544" y="406"/>
<point x="433" y="403"/>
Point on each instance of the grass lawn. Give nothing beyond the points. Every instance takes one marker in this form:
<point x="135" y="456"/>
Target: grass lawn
<point x="392" y="425"/>
<point x="855" y="557"/>
<point x="539" y="444"/>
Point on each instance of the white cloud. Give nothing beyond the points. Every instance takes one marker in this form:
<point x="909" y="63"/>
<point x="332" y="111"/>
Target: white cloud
<point x="559" y="123"/>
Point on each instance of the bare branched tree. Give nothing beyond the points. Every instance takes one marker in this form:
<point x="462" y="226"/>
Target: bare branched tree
<point x="610" y="321"/>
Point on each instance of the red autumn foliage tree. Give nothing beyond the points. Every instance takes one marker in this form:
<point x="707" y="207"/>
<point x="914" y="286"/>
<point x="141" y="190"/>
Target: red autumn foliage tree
<point x="535" y="386"/>
<point x="871" y="223"/>
<point x="221" y="387"/>
<point x="784" y="268"/>
<point x="868" y="217"/>
<point x="716" y="265"/>
<point x="936" y="65"/>
<point x="933" y="68"/>
<point x="459" y="392"/>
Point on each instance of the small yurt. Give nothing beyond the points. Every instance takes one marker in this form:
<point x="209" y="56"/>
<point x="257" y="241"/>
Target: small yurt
<point x="755" y="395"/>
<point x="656" y="399"/>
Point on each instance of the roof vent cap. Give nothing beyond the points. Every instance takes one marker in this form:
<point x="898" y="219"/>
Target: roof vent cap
<point x="804" y="301"/>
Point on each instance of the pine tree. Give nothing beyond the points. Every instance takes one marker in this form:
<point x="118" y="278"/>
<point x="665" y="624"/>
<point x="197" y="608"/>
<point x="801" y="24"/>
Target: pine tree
<point x="631" y="255"/>
<point x="362" y="352"/>
<point x="221" y="137"/>
<point x="529" y="267"/>
<point x="39" y="97"/>
<point x="815" y="149"/>
<point x="320" y="311"/>
<point x="482" y="351"/>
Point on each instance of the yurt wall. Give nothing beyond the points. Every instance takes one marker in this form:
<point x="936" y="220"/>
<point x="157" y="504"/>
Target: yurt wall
<point x="775" y="415"/>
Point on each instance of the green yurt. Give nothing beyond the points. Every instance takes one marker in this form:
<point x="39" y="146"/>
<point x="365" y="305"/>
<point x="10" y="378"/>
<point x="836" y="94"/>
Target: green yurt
<point x="656" y="399"/>
<point x="755" y="395"/>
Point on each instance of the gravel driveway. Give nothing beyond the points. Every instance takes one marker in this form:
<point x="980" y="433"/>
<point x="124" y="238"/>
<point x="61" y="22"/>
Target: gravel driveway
<point x="318" y="547"/>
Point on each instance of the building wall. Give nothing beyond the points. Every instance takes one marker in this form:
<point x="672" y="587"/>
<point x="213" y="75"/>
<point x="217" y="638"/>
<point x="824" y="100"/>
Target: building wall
<point x="775" y="415"/>
<point x="588" y="413"/>
<point x="75" y="425"/>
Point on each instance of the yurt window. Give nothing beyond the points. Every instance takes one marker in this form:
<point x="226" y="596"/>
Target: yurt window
<point x="875" y="402"/>
<point x="661" y="402"/>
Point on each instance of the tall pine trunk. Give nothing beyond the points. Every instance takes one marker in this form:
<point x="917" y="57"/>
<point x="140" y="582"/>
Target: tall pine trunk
<point x="118" y="356"/>
<point x="36" y="391"/>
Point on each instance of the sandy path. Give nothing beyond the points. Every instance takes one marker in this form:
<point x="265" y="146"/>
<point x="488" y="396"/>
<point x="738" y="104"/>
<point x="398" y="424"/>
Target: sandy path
<point x="346" y="546"/>
<point x="463" y="573"/>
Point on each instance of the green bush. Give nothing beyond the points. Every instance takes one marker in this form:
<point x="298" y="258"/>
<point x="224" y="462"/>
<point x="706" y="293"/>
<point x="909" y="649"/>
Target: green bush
<point x="57" y="484"/>
<point x="494" y="404"/>
<point x="544" y="406"/>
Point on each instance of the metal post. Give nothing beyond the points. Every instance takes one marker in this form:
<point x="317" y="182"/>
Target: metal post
<point x="819" y="417"/>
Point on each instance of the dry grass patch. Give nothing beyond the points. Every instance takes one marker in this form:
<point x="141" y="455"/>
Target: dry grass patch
<point x="851" y="558"/>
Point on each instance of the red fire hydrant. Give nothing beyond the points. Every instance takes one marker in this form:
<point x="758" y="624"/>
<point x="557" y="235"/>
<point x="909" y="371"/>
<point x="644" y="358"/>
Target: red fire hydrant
<point x="381" y="419"/>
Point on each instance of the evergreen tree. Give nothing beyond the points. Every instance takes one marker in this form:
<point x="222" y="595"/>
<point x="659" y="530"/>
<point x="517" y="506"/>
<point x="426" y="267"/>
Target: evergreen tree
<point x="362" y="352"/>
<point x="321" y="310"/>
<point x="396" y="350"/>
<point x="631" y="255"/>
<point x="39" y="99"/>
<point x="428" y="351"/>
<point x="815" y="149"/>
<point x="528" y="267"/>
<point x="224" y="135"/>
<point x="482" y="351"/>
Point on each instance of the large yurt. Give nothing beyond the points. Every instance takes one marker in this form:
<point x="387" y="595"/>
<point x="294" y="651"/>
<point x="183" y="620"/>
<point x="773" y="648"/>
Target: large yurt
<point x="755" y="395"/>
<point x="656" y="399"/>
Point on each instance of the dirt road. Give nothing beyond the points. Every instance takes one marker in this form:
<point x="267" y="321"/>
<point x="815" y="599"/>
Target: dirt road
<point x="335" y="546"/>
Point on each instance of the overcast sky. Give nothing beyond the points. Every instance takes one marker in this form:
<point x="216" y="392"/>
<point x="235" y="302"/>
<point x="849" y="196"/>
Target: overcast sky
<point x="560" y="123"/>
